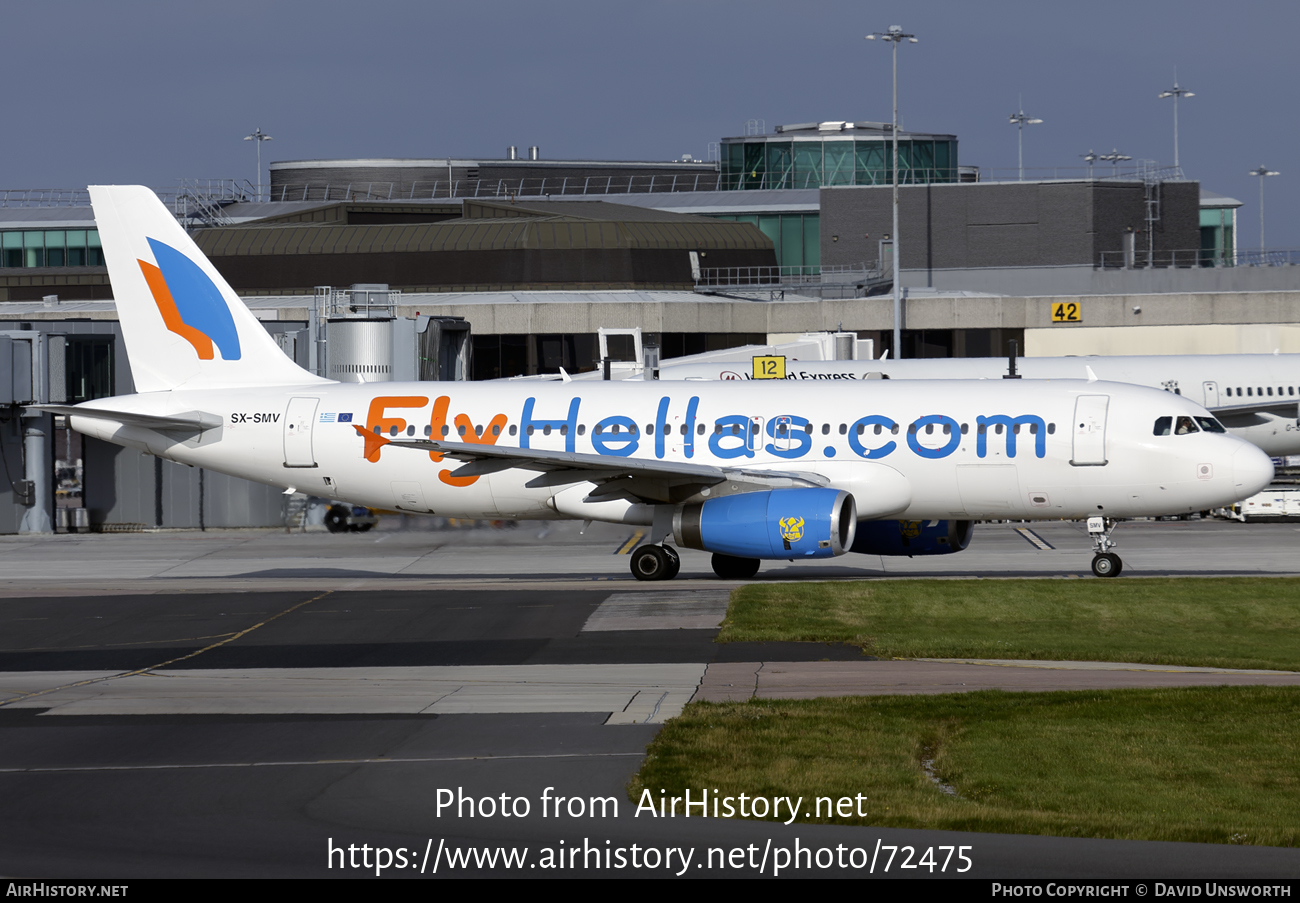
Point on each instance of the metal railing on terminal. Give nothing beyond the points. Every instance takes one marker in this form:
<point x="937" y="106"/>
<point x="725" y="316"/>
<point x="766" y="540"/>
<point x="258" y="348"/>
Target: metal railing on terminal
<point x="850" y="281"/>
<point x="1198" y="257"/>
<point x="195" y="202"/>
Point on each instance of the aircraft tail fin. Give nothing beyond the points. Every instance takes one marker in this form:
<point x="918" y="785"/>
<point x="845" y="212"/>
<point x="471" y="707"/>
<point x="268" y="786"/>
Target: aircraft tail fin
<point x="184" y="326"/>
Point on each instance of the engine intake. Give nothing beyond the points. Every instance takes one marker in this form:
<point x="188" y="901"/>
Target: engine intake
<point x="912" y="537"/>
<point x="777" y="523"/>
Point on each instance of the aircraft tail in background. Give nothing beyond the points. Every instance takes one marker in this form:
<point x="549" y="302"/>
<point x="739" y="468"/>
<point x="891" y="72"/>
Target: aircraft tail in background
<point x="184" y="326"/>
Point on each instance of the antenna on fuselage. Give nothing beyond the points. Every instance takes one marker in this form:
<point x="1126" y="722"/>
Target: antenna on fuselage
<point x="1013" y="347"/>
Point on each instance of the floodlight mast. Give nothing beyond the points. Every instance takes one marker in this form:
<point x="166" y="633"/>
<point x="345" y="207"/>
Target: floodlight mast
<point x="894" y="36"/>
<point x="1090" y="158"/>
<point x="259" y="136"/>
<point x="1114" y="158"/>
<point x="1020" y="120"/>
<point x="1262" y="172"/>
<point x="1175" y="92"/>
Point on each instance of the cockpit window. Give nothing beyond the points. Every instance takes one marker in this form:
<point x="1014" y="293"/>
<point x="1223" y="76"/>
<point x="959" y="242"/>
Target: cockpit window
<point x="1185" y="426"/>
<point x="1210" y="425"/>
<point x="1163" y="425"/>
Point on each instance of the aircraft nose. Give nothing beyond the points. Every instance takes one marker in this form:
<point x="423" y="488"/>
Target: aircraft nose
<point x="1252" y="470"/>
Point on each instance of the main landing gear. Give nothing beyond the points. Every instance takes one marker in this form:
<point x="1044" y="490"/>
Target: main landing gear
<point x="653" y="562"/>
<point x="1105" y="563"/>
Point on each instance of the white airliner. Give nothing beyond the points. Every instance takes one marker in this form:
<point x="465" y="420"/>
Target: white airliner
<point x="1256" y="396"/>
<point x="747" y="472"/>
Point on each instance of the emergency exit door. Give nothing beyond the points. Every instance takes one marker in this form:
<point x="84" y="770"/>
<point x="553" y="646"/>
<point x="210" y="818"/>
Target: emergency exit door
<point x="298" y="422"/>
<point x="1090" y="430"/>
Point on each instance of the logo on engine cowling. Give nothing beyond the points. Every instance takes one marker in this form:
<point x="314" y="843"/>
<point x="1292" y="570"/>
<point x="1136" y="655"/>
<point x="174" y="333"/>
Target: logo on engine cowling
<point x="792" y="529"/>
<point x="910" y="528"/>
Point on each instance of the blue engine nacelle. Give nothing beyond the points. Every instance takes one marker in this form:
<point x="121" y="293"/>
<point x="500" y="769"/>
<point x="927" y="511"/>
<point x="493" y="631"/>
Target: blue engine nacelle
<point x="912" y="537"/>
<point x="778" y="523"/>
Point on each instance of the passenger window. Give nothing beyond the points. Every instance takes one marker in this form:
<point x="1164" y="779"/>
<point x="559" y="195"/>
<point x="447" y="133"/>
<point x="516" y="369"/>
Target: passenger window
<point x="446" y="429"/>
<point x="1051" y="429"/>
<point x="649" y="429"/>
<point x="947" y="429"/>
<point x="428" y="431"/>
<point x="564" y="429"/>
<point x="582" y="429"/>
<point x="1185" y="426"/>
<point x="683" y="429"/>
<point x="1210" y="425"/>
<point x="496" y="429"/>
<point x="808" y="429"/>
<point x="530" y="430"/>
<point x="1163" y="425"/>
<point x="514" y="429"/>
<point x="700" y="429"/>
<point x="1249" y="391"/>
<point x="965" y="427"/>
<point x="826" y="429"/>
<point x="1270" y="390"/>
<point x="844" y="428"/>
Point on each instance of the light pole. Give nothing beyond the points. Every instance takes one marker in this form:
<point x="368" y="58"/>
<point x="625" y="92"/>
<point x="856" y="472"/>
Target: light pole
<point x="1175" y="92"/>
<point x="1020" y="120"/>
<point x="1114" y="158"/>
<point x="894" y="36"/>
<point x="258" y="137"/>
<point x="1090" y="158"/>
<point x="1262" y="172"/>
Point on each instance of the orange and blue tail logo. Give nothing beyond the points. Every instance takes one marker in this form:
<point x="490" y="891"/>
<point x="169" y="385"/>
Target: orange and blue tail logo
<point x="190" y="304"/>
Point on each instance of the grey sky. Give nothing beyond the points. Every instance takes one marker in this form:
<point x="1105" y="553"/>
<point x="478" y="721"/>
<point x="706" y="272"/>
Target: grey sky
<point x="153" y="92"/>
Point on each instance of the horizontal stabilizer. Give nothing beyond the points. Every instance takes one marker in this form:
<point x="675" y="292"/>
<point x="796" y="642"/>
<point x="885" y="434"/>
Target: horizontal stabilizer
<point x="190" y="420"/>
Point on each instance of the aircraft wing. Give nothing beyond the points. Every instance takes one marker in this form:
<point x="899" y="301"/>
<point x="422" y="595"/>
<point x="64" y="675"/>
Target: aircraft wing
<point x="646" y="480"/>
<point x="191" y="420"/>
<point x="1285" y="407"/>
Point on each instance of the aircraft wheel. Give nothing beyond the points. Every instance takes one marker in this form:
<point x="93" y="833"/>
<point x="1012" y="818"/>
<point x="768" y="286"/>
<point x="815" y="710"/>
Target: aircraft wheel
<point x="336" y="519"/>
<point x="729" y="567"/>
<point x="650" y="562"/>
<point x="1107" y="564"/>
<point x="674" y="562"/>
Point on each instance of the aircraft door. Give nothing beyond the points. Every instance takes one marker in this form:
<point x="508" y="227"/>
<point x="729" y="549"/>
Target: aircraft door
<point x="1211" y="394"/>
<point x="782" y="427"/>
<point x="1090" y="430"/>
<point x="754" y="441"/>
<point x="298" y="422"/>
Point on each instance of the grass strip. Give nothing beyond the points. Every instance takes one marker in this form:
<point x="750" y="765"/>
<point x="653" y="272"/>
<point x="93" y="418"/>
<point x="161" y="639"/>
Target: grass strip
<point x="1237" y="622"/>
<point x="1206" y="764"/>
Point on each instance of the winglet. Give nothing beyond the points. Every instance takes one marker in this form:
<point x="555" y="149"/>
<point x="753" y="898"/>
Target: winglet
<point x="1092" y="377"/>
<point x="564" y="375"/>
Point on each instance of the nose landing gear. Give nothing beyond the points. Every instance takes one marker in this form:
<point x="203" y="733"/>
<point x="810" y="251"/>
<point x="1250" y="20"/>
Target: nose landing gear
<point x="1105" y="563"/>
<point x="655" y="562"/>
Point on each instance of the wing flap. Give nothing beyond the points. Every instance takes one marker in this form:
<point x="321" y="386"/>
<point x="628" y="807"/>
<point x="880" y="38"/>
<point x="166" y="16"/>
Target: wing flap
<point x="573" y="467"/>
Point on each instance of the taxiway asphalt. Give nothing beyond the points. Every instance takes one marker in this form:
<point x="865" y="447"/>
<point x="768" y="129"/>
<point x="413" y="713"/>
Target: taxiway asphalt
<point x="230" y="704"/>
